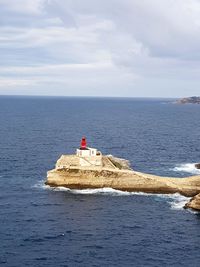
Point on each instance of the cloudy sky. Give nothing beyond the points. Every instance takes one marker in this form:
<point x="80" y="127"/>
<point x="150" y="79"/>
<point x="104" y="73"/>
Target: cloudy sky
<point x="141" y="48"/>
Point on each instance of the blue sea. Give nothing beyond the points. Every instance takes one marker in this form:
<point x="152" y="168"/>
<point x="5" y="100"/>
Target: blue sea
<point x="42" y="226"/>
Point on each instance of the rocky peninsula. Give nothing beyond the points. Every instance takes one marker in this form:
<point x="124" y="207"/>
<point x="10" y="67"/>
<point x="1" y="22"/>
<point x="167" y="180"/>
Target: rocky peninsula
<point x="116" y="174"/>
<point x="189" y="100"/>
<point x="78" y="172"/>
<point x="88" y="168"/>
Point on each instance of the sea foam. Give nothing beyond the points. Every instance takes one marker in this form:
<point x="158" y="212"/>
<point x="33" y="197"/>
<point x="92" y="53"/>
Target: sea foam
<point x="188" y="168"/>
<point x="176" y="201"/>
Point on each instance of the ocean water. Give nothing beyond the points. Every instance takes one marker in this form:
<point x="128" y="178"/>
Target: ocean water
<point x="42" y="226"/>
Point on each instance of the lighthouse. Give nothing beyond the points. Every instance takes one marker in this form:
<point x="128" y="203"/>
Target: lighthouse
<point x="88" y="156"/>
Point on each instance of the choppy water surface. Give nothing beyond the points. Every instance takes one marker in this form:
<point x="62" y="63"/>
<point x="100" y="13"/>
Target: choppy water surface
<point x="42" y="226"/>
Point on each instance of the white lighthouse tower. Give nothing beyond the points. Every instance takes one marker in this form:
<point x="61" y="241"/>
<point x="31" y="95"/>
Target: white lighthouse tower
<point x="88" y="156"/>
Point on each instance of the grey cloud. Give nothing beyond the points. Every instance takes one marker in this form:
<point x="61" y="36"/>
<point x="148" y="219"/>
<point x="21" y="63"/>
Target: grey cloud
<point x="167" y="28"/>
<point x="140" y="46"/>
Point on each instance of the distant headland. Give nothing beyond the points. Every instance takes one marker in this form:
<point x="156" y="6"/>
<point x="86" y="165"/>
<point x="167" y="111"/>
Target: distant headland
<point x="88" y="168"/>
<point x="189" y="100"/>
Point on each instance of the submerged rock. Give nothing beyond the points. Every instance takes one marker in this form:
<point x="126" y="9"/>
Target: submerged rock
<point x="194" y="203"/>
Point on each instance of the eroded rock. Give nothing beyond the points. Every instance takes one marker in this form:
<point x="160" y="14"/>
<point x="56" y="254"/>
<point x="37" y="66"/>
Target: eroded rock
<point x="115" y="173"/>
<point x="194" y="203"/>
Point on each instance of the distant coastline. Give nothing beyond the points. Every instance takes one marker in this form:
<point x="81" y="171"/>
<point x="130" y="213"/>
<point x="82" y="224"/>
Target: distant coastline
<point x="189" y="100"/>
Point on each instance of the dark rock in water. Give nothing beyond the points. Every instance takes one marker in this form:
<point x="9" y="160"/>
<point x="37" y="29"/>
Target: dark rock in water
<point x="197" y="166"/>
<point x="189" y="100"/>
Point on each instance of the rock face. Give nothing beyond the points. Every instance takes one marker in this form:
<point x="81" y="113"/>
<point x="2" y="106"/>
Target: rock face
<point x="194" y="203"/>
<point x="116" y="173"/>
<point x="189" y="100"/>
<point x="197" y="166"/>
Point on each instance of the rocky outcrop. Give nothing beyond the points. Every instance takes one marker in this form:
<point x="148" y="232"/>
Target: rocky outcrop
<point x="197" y="165"/>
<point x="119" y="163"/>
<point x="189" y="100"/>
<point x="194" y="203"/>
<point x="117" y="174"/>
<point x="123" y="180"/>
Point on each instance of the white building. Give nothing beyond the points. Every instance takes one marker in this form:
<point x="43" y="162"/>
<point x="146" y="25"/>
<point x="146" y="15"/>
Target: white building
<point x="87" y="152"/>
<point x="89" y="157"/>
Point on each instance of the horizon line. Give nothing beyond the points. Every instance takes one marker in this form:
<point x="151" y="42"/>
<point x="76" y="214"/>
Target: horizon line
<point x="69" y="96"/>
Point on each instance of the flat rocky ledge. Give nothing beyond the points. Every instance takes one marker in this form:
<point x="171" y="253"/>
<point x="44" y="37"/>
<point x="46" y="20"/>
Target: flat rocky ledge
<point x="116" y="173"/>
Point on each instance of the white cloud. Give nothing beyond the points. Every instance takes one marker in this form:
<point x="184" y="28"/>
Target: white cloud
<point x="67" y="78"/>
<point x="111" y="44"/>
<point x="12" y="82"/>
<point x="23" y="6"/>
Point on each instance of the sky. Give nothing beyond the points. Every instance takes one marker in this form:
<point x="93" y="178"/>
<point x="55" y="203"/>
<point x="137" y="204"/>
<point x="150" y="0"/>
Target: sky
<point x="130" y="48"/>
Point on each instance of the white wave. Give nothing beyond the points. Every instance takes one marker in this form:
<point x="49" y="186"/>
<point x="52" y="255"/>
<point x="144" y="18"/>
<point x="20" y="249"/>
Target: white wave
<point x="187" y="167"/>
<point x="193" y="211"/>
<point x="89" y="191"/>
<point x="176" y="201"/>
<point x="104" y="191"/>
<point x="40" y="184"/>
<point x="96" y="191"/>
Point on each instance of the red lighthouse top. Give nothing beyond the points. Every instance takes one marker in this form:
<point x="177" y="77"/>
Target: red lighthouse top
<point x="83" y="143"/>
